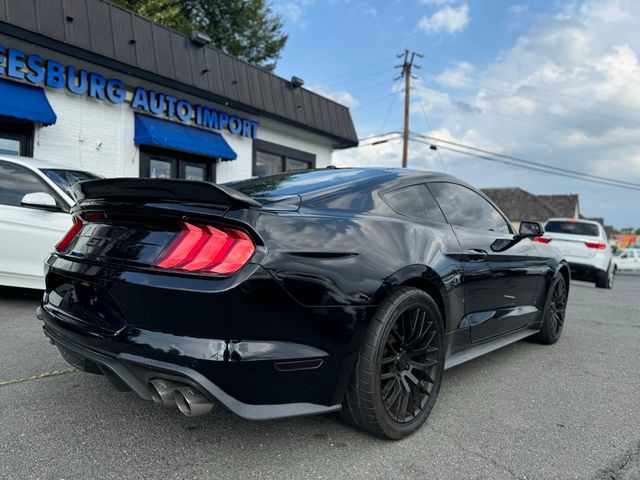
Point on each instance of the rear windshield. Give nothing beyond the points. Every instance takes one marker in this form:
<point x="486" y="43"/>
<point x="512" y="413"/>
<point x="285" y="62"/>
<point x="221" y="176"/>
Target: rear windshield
<point x="574" y="228"/>
<point x="65" y="178"/>
<point x="272" y="187"/>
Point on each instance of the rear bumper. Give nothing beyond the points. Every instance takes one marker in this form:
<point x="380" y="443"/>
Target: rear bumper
<point x="599" y="262"/>
<point x="582" y="271"/>
<point x="247" y="344"/>
<point x="135" y="372"/>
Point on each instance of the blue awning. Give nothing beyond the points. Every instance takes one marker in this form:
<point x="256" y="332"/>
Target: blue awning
<point x="25" y="102"/>
<point x="163" y="133"/>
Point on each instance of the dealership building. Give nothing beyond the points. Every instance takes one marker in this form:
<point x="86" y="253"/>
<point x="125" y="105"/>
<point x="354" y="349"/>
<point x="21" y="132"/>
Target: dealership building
<point x="89" y="85"/>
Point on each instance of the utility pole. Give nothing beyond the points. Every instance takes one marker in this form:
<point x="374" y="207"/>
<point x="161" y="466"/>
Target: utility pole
<point x="407" y="66"/>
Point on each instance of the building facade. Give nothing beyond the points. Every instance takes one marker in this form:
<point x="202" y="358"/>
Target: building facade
<point x="89" y="85"/>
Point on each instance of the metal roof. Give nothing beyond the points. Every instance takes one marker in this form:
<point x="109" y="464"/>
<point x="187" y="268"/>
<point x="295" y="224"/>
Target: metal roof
<point x="108" y="35"/>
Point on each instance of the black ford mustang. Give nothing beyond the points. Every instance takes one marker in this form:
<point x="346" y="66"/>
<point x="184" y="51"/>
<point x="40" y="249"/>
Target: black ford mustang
<point x="298" y="293"/>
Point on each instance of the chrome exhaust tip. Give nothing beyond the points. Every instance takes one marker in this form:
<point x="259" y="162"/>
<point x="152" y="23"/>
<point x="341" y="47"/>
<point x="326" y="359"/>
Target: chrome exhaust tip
<point x="162" y="392"/>
<point x="191" y="402"/>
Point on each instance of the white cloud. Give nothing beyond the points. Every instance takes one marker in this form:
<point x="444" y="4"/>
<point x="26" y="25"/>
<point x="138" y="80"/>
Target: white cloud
<point x="519" y="9"/>
<point x="447" y="19"/>
<point x="343" y="97"/>
<point x="567" y="94"/>
<point x="460" y="76"/>
<point x="371" y="11"/>
<point x="437" y="3"/>
<point x="291" y="11"/>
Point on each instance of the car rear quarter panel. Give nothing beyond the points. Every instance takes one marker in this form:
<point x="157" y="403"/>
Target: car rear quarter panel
<point x="343" y="258"/>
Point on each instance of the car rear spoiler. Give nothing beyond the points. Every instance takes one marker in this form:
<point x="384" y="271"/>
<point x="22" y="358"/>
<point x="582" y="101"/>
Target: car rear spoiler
<point x="159" y="189"/>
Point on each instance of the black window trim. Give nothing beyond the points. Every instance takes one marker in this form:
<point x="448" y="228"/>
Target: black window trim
<point x="281" y="151"/>
<point x="174" y="156"/>
<point x="18" y="130"/>
<point x="512" y="230"/>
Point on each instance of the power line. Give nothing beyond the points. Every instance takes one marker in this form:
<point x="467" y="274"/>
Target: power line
<point x="379" y="135"/>
<point x="554" y="127"/>
<point x="374" y="101"/>
<point x="369" y="87"/>
<point x="384" y="122"/>
<point x="357" y="79"/>
<point x="357" y="70"/>
<point x="529" y="162"/>
<point x="547" y="170"/>
<point x="506" y="93"/>
<point x="533" y="99"/>
<point x="381" y="141"/>
<point x="426" y="117"/>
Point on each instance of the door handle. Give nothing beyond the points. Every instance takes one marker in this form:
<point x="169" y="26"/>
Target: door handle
<point x="477" y="255"/>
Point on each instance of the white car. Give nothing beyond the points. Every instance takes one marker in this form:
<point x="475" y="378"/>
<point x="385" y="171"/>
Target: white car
<point x="34" y="216"/>
<point x="584" y="244"/>
<point x="628" y="260"/>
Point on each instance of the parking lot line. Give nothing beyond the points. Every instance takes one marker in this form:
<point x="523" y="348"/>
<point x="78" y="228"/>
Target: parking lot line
<point x="54" y="373"/>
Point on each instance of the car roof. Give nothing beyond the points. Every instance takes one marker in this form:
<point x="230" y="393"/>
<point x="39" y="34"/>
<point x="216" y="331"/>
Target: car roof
<point x="572" y="220"/>
<point x="308" y="183"/>
<point x="35" y="163"/>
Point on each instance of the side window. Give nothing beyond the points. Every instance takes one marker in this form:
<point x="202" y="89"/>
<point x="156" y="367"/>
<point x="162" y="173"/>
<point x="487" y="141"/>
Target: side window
<point x="16" y="182"/>
<point x="415" y="201"/>
<point x="465" y="208"/>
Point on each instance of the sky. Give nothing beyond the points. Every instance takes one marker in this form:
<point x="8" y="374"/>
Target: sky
<point x="553" y="82"/>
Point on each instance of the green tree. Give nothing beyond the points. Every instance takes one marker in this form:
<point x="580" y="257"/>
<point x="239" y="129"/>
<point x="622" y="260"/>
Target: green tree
<point x="247" y="29"/>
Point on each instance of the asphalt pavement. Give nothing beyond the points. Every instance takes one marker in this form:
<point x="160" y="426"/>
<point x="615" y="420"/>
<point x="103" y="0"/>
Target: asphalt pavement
<point x="566" y="411"/>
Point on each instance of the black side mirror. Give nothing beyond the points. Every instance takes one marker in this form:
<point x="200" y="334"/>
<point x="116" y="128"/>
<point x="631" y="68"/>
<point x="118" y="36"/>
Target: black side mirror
<point x="530" y="230"/>
<point x="527" y="230"/>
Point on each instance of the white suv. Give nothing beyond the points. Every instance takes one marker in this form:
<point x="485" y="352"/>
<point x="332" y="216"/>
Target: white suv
<point x="584" y="244"/>
<point x="34" y="216"/>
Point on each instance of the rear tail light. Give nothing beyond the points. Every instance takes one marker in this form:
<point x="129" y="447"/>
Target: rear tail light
<point x="62" y="246"/>
<point x="596" y="245"/>
<point x="207" y="249"/>
<point x="542" y="239"/>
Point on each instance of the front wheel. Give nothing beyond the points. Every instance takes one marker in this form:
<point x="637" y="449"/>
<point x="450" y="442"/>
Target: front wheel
<point x="554" y="312"/>
<point x="398" y="373"/>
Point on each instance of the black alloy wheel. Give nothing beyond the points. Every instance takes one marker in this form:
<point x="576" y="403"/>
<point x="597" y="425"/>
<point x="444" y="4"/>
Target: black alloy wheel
<point x="399" y="368"/>
<point x="409" y="364"/>
<point x="555" y="312"/>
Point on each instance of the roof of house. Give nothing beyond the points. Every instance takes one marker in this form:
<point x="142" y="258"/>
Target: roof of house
<point x="518" y="204"/>
<point x="564" y="205"/>
<point x="110" y="36"/>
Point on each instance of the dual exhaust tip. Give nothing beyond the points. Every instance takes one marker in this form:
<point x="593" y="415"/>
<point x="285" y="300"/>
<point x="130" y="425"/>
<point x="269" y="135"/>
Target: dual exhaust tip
<point x="171" y="394"/>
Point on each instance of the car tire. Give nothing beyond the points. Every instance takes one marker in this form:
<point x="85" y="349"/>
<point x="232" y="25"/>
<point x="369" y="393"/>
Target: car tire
<point x="399" y="368"/>
<point x="605" y="278"/>
<point x="554" y="312"/>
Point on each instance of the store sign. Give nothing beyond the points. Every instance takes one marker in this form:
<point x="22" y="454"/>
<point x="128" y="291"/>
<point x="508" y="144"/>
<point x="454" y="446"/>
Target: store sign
<point x="36" y="70"/>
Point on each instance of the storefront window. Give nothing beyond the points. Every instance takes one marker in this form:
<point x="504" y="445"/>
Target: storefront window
<point x="270" y="158"/>
<point x="156" y="163"/>
<point x="159" y="168"/>
<point x="267" y="163"/>
<point x="16" y="139"/>
<point x="193" y="172"/>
